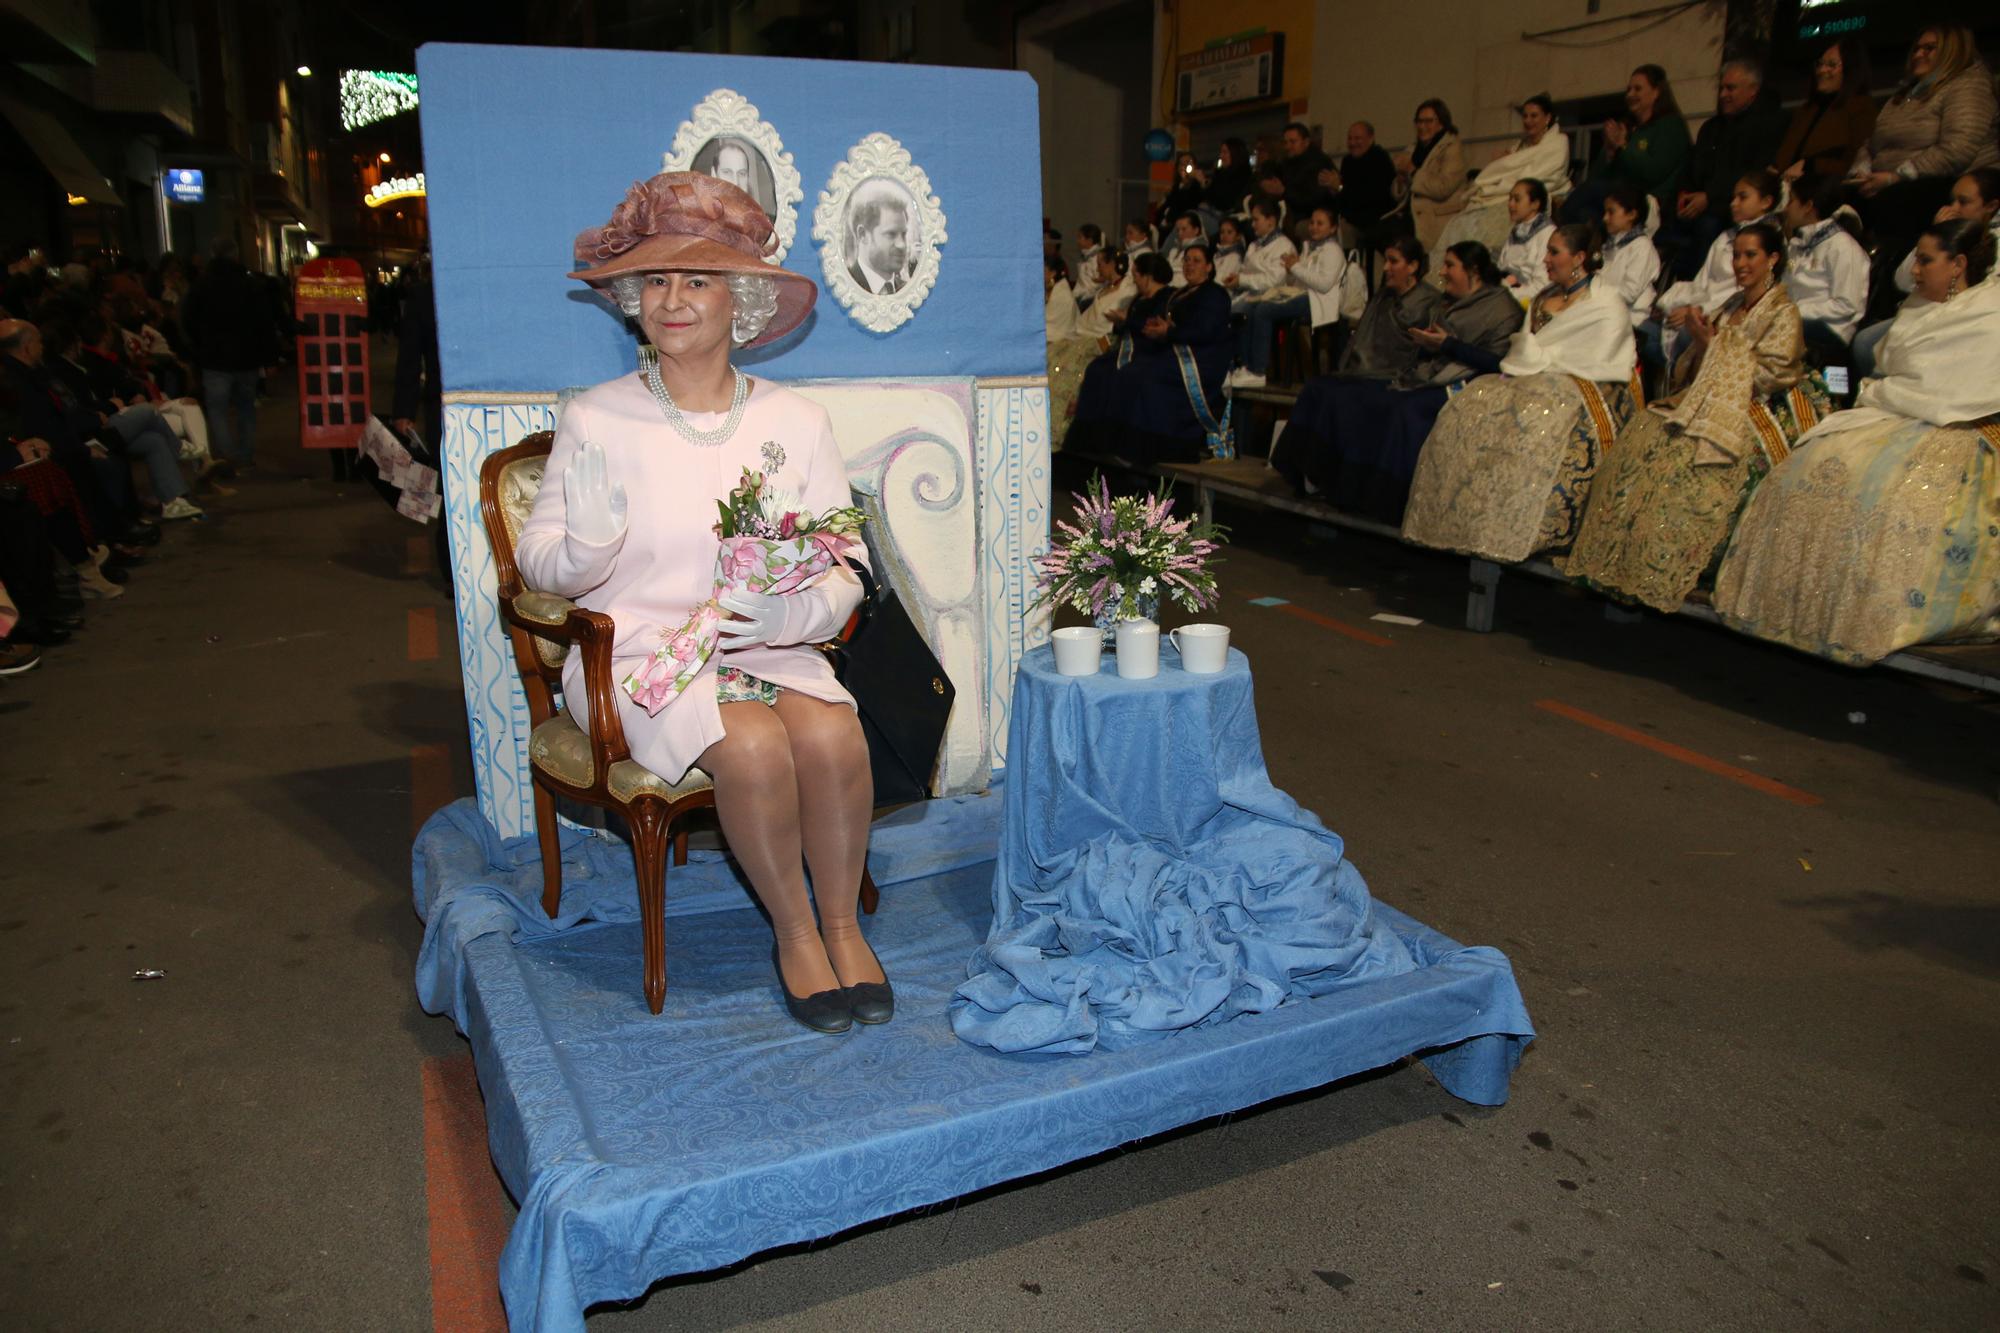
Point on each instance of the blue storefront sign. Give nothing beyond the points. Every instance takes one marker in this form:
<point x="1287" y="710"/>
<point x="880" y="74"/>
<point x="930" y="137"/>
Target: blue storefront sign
<point x="184" y="186"/>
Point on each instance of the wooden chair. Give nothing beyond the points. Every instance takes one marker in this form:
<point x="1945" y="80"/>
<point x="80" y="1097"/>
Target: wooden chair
<point x="596" y="768"/>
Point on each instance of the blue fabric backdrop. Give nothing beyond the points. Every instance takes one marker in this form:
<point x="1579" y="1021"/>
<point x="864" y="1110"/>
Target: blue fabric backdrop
<point x="525" y="146"/>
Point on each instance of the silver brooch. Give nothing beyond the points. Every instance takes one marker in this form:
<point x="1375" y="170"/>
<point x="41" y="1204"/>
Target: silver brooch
<point x="774" y="456"/>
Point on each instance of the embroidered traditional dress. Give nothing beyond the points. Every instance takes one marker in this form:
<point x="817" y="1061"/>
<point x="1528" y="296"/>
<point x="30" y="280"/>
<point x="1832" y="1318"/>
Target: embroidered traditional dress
<point x="1882" y="529"/>
<point x="1507" y="469"/>
<point x="651" y="579"/>
<point x="1664" y="503"/>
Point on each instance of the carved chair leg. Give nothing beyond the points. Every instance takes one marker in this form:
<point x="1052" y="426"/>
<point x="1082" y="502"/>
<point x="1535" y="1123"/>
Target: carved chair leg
<point x="648" y="820"/>
<point x="681" y="848"/>
<point x="870" y="895"/>
<point x="551" y="844"/>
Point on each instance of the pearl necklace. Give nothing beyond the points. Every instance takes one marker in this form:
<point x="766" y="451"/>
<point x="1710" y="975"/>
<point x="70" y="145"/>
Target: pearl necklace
<point x="706" y="438"/>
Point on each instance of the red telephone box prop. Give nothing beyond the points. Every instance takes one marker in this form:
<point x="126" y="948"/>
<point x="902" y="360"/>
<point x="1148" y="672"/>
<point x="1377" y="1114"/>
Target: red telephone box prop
<point x="332" y="305"/>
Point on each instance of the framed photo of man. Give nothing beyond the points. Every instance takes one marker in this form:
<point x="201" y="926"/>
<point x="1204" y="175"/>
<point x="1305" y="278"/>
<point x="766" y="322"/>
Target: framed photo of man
<point x="880" y="231"/>
<point x="727" y="139"/>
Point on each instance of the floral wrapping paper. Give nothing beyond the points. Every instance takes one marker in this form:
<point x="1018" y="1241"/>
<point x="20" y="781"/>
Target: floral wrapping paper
<point x="754" y="564"/>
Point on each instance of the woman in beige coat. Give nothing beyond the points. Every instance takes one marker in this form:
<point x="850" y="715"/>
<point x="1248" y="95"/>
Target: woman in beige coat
<point x="1431" y="175"/>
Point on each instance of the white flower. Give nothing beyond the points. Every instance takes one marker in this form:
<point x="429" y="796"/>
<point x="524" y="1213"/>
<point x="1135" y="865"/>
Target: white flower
<point x="1147" y="587"/>
<point x="778" y="502"/>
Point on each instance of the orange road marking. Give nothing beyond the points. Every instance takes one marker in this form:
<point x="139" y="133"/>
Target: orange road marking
<point x="1694" y="759"/>
<point x="430" y="783"/>
<point x="417" y="555"/>
<point x="423" y="634"/>
<point x="1337" y="626"/>
<point x="469" y="1212"/>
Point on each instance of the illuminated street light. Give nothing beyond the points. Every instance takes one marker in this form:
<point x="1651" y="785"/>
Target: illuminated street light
<point x="305" y="71"/>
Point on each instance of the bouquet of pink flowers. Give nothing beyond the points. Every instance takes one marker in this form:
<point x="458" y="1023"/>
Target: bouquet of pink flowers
<point x="770" y="545"/>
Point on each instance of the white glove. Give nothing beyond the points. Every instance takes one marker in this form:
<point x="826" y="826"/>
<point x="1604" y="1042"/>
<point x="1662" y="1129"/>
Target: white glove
<point x="761" y="619"/>
<point x="594" y="508"/>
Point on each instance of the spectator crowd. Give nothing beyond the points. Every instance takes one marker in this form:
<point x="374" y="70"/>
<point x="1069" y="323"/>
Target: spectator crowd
<point x="1683" y="363"/>
<point x="126" y="393"/>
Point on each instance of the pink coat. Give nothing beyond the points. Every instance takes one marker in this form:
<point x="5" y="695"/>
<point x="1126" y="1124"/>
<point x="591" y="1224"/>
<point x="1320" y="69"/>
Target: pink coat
<point x="654" y="575"/>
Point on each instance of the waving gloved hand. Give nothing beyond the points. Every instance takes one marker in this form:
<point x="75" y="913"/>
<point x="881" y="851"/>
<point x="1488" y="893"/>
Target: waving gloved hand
<point x="594" y="505"/>
<point x="760" y="619"/>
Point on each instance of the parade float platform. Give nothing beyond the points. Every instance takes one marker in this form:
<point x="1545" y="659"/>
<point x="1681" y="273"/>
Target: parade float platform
<point x="640" y="1147"/>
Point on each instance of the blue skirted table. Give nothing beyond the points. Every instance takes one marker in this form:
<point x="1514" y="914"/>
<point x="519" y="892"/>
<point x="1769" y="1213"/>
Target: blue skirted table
<point x="1150" y="877"/>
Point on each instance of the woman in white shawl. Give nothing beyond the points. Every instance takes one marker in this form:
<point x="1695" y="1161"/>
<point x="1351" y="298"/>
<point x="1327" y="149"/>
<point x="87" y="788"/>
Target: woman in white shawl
<point x="1542" y="154"/>
<point x="1507" y="469"/>
<point x="1882" y="529"/>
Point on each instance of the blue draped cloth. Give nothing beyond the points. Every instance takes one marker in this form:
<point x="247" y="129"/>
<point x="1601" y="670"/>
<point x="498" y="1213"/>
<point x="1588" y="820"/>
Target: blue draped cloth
<point x="1150" y="877"/>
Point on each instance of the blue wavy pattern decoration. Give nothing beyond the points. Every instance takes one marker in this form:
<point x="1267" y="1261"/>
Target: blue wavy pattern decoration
<point x="1013" y="459"/>
<point x="496" y="709"/>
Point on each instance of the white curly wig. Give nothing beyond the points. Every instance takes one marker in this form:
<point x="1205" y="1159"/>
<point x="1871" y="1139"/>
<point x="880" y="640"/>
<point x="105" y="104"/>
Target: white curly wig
<point x="753" y="301"/>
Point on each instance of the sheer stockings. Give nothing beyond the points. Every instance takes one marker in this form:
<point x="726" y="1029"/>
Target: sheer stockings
<point x="792" y="790"/>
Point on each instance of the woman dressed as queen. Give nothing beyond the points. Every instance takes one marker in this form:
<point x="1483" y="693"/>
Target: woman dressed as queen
<point x="625" y="524"/>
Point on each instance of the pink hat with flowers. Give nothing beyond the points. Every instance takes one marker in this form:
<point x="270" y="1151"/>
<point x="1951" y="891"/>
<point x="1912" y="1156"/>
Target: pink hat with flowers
<point x="685" y="222"/>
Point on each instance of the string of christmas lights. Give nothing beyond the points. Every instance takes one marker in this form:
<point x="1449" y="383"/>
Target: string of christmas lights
<point x="369" y="95"/>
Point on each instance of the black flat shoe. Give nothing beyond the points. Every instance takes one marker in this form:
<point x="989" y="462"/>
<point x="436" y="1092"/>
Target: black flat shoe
<point x="822" y="1011"/>
<point x="871" y="1002"/>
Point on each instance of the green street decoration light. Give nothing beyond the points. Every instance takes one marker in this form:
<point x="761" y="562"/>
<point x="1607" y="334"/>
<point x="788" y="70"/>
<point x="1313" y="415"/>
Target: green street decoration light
<point x="369" y="95"/>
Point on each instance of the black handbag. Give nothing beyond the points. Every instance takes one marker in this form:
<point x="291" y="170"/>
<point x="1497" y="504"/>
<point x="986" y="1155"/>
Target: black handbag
<point x="900" y="689"/>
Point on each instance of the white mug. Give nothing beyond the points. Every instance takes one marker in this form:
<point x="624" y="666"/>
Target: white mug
<point x="1077" y="649"/>
<point x="1206" y="650"/>
<point x="1138" y="649"/>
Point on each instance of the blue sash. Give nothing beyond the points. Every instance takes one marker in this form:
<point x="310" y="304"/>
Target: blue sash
<point x="1219" y="436"/>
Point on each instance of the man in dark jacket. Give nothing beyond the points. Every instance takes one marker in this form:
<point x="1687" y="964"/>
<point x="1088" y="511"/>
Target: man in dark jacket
<point x="1367" y="191"/>
<point x="1741" y="136"/>
<point x="229" y="321"/>
<point x="1301" y="167"/>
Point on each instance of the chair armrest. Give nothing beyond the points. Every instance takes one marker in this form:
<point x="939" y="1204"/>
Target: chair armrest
<point x="595" y="634"/>
<point x="541" y="614"/>
<point x="543" y="608"/>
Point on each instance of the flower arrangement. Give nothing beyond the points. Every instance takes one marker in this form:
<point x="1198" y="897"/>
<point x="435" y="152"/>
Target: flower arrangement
<point x="769" y="544"/>
<point x="1124" y="553"/>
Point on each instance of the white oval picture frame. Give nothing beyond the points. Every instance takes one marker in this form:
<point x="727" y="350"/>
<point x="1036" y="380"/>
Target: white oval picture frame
<point x="725" y="137"/>
<point x="879" y="178"/>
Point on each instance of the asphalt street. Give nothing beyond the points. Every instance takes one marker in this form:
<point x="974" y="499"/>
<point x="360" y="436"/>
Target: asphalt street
<point x="1766" y="985"/>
